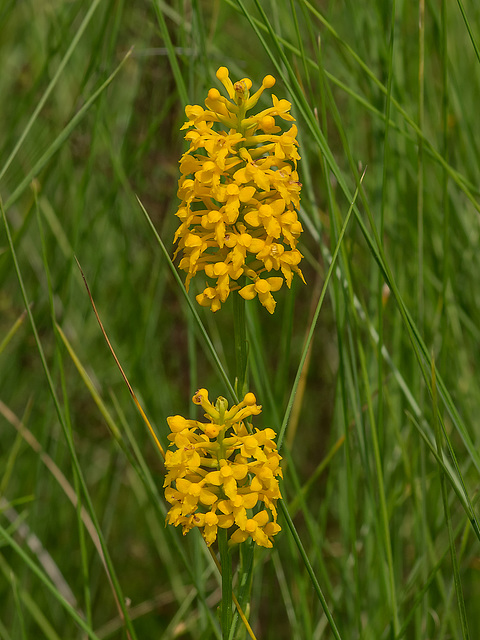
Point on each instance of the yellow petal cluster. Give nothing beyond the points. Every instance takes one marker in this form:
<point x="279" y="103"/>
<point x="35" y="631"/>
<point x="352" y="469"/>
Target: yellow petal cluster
<point x="221" y="474"/>
<point x="239" y="193"/>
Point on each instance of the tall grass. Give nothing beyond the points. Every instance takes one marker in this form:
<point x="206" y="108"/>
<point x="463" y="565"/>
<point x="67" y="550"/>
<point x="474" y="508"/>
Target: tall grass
<point x="368" y="372"/>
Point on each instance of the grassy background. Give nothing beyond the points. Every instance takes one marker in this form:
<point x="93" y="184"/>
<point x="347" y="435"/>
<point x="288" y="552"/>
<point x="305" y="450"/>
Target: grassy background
<point x="382" y="446"/>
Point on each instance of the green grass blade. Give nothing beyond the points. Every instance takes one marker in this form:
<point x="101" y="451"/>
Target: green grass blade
<point x="49" y="586"/>
<point x="311" y="332"/>
<point x="60" y="139"/>
<point x="453" y="552"/>
<point x="54" y="81"/>
<point x="203" y="332"/>
<point x="108" y="563"/>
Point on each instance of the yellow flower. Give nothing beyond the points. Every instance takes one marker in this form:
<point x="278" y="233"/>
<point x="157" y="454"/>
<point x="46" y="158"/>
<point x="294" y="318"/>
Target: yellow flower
<point x="263" y="287"/>
<point x="239" y="192"/>
<point x="219" y="474"/>
<point x="259" y="528"/>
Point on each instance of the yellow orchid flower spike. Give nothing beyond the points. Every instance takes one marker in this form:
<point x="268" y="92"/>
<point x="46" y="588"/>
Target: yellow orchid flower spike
<point x="240" y="193"/>
<point x="221" y="475"/>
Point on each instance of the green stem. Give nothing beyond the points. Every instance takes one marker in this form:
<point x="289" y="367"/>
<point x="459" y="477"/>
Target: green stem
<point x="241" y="388"/>
<point x="226" y="563"/>
<point x="241" y="355"/>
<point x="245" y="572"/>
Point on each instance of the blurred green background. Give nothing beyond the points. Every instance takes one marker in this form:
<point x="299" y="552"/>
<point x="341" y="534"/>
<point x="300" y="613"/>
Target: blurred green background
<point x="389" y="527"/>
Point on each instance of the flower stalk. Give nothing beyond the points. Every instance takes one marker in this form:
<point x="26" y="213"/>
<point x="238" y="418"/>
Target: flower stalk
<point x="241" y="384"/>
<point x="241" y="346"/>
<point x="227" y="577"/>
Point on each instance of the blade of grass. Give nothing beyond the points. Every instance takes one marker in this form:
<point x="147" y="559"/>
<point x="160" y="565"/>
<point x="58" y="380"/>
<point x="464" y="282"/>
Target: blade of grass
<point x="62" y="136"/>
<point x="143" y="470"/>
<point x="52" y="468"/>
<point x="310" y="571"/>
<point x="111" y="574"/>
<point x="419" y="596"/>
<point x="53" y="82"/>
<point x="117" y="362"/>
<point x="469" y="29"/>
<point x="466" y="186"/>
<point x="311" y="332"/>
<point x="18" y="608"/>
<point x="81" y="530"/>
<point x="44" y="558"/>
<point x="453" y="553"/>
<point x="172" y="56"/>
<point x="192" y="308"/>
<point x="285" y="423"/>
<point x="46" y="582"/>
<point x="12" y="331"/>
<point x="385" y="521"/>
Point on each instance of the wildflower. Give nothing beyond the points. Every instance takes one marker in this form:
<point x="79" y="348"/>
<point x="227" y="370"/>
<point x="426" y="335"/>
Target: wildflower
<point x="239" y="193"/>
<point x="221" y="474"/>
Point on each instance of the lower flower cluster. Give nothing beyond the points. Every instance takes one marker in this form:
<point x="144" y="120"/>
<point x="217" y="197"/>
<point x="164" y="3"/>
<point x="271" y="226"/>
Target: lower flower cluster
<point x="222" y="474"/>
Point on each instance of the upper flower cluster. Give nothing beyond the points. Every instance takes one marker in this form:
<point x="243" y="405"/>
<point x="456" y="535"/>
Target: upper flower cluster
<point x="240" y="195"/>
<point x="219" y="474"/>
